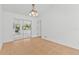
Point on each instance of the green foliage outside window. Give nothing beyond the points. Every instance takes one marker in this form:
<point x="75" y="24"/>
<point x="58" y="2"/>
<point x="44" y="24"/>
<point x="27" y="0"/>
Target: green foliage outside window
<point x="26" y="27"/>
<point x="17" y="28"/>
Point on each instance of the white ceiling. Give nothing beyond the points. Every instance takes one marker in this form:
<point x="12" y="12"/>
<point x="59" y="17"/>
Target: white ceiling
<point x="25" y="8"/>
<point x="43" y="9"/>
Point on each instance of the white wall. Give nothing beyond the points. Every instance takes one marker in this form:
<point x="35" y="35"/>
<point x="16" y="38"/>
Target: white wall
<point x="1" y="33"/>
<point x="61" y="24"/>
<point x="8" y="18"/>
<point x="0" y="22"/>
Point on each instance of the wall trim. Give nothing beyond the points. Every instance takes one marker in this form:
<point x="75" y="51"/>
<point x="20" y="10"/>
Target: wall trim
<point x="50" y="39"/>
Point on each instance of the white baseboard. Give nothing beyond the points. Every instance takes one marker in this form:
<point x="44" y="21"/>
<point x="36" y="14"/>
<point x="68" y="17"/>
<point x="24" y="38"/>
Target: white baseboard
<point x="65" y="44"/>
<point x="1" y="44"/>
<point x="11" y="39"/>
